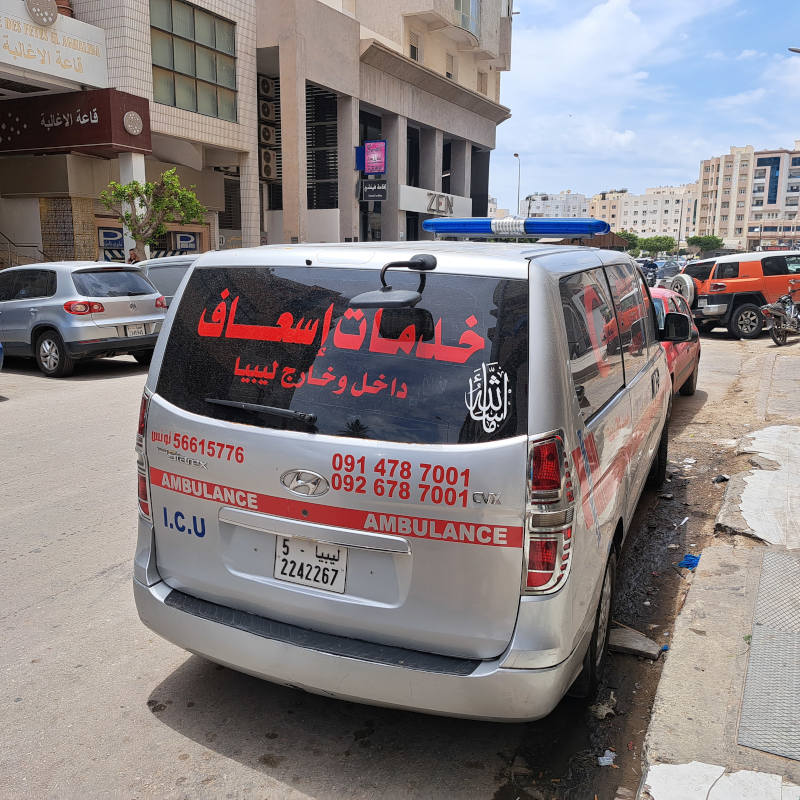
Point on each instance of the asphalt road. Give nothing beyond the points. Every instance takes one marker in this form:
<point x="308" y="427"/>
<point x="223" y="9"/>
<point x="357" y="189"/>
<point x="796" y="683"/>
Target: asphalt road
<point x="94" y="705"/>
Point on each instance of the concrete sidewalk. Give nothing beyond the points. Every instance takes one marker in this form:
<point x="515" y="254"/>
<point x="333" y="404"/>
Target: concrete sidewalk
<point x="726" y="717"/>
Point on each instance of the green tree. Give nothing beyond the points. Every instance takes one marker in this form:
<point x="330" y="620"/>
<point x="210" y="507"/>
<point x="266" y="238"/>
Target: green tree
<point x="705" y="242"/>
<point x="634" y="252"/>
<point x="630" y="237"/>
<point x="146" y="208"/>
<point x="657" y="244"/>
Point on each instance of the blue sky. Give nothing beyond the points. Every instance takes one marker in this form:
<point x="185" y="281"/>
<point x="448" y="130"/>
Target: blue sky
<point x="633" y="93"/>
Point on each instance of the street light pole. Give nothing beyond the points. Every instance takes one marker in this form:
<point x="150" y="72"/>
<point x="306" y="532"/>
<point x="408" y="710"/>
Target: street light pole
<point x="519" y="175"/>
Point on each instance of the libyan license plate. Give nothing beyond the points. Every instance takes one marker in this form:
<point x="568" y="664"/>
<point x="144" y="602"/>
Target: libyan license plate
<point x="135" y="330"/>
<point x="702" y="302"/>
<point x="310" y="563"/>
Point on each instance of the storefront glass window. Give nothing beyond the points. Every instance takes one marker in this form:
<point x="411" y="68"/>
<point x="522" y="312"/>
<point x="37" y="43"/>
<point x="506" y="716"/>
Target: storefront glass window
<point x="194" y="64"/>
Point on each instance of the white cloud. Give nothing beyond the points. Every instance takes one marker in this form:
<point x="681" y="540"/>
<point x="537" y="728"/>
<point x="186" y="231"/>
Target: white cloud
<point x="748" y="54"/>
<point x="735" y="102"/>
<point x="574" y="89"/>
<point x="716" y="55"/>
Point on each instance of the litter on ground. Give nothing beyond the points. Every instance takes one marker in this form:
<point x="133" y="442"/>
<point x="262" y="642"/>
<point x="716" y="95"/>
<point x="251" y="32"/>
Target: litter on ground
<point x="689" y="561"/>
<point x="607" y="759"/>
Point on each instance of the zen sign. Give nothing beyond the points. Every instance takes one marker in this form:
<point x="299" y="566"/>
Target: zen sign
<point x="374" y="190"/>
<point x="441" y="204"/>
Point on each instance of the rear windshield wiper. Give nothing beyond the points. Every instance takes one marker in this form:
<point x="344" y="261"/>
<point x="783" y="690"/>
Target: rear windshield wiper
<point x="288" y="413"/>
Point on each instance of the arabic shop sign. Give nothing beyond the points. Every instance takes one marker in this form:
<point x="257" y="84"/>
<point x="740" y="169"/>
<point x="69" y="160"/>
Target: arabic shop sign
<point x="68" y="49"/>
<point x="374" y="190"/>
<point x="89" y="122"/>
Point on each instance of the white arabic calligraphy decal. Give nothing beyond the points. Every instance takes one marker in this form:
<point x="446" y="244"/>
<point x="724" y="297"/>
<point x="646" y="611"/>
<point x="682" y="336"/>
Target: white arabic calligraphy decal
<point x="489" y="396"/>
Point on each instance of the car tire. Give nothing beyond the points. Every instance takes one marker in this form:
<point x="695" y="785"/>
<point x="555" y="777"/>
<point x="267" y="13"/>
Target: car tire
<point x="143" y="357"/>
<point x="588" y="682"/>
<point x="658" y="472"/>
<point x="746" y="322"/>
<point x="52" y="356"/>
<point x="690" y="384"/>
<point x="684" y="286"/>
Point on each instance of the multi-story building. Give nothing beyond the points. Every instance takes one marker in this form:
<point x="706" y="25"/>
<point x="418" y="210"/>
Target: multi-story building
<point x="564" y="204"/>
<point x="749" y="198"/>
<point x="262" y="105"/>
<point x="660" y="211"/>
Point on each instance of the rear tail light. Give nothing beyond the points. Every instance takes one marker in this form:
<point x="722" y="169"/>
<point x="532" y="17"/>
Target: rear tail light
<point x="548" y="472"/>
<point x="717" y="287"/>
<point x="144" y="498"/>
<point x="141" y="458"/>
<point x="549" y="557"/>
<point x="143" y="406"/>
<point x="81" y="307"/>
<point x="161" y="302"/>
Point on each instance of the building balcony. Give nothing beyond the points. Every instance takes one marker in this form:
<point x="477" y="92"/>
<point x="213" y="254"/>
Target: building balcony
<point x="443" y="17"/>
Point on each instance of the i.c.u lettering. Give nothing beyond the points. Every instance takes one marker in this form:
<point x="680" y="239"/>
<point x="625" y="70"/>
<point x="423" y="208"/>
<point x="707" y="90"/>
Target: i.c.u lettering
<point x="178" y="521"/>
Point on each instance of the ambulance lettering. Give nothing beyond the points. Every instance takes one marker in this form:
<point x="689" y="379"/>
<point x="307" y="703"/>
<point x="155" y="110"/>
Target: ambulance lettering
<point x="437" y="529"/>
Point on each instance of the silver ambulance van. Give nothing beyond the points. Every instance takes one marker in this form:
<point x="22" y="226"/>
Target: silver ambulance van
<point x="400" y="473"/>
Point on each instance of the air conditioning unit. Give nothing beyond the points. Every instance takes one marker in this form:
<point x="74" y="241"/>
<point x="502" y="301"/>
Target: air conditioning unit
<point x="267" y="135"/>
<point x="267" y="111"/>
<point x="268" y="165"/>
<point x="267" y="87"/>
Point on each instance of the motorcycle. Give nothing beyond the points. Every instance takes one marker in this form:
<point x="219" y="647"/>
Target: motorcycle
<point x="783" y="316"/>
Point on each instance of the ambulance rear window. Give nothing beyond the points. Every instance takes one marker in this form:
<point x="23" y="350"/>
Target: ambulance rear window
<point x="453" y="369"/>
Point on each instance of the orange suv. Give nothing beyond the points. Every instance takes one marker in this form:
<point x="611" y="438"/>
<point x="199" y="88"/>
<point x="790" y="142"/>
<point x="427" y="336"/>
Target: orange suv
<point x="729" y="290"/>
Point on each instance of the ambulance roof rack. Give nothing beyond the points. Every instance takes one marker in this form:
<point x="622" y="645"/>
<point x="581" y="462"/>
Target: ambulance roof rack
<point x="516" y="226"/>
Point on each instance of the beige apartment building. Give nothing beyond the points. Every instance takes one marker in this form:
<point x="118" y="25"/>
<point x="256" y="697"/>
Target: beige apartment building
<point x="749" y="198"/>
<point x="660" y="211"/>
<point x="260" y="104"/>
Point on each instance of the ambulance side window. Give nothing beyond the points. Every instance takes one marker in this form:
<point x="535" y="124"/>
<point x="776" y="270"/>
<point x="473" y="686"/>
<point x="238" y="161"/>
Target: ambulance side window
<point x="590" y="323"/>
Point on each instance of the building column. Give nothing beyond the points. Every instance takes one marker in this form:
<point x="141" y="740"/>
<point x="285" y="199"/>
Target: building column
<point x="460" y="167"/>
<point x="431" y="142"/>
<point x="347" y="132"/>
<point x="249" y="192"/>
<point x="479" y="182"/>
<point x="393" y="221"/>
<point x="131" y="168"/>
<point x="294" y="171"/>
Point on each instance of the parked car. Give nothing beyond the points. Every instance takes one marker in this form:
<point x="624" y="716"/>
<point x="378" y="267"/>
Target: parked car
<point x="683" y="358"/>
<point x="61" y="312"/>
<point x="666" y="271"/>
<point x="352" y="490"/>
<point x="1" y="355"/>
<point x="728" y="291"/>
<point x="166" y="273"/>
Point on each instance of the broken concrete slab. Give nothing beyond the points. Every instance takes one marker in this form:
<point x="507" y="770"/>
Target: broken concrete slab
<point x="624" y="640"/>
<point x="710" y="782"/>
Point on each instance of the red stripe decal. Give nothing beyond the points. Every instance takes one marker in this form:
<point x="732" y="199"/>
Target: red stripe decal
<point x="370" y="521"/>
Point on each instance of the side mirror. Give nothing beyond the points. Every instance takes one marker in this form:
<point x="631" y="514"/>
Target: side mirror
<point x="677" y="328"/>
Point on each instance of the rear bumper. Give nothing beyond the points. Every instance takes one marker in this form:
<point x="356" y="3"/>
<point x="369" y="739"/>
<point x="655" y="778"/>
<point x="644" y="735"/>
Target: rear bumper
<point x="116" y="346"/>
<point x="292" y="656"/>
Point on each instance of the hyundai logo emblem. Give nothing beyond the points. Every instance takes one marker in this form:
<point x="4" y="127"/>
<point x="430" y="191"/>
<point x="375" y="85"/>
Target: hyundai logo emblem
<point x="304" y="482"/>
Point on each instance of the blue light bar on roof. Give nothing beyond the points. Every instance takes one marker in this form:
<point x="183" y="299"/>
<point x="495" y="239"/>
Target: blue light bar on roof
<point x="516" y="226"/>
